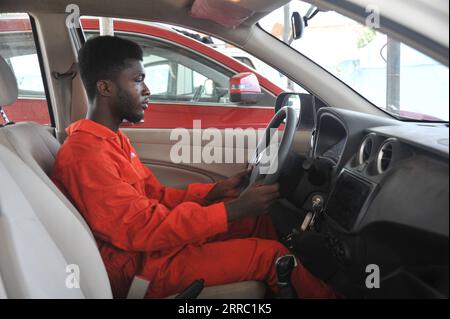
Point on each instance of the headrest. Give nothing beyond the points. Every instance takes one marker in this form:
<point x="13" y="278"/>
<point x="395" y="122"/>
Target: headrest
<point x="8" y="84"/>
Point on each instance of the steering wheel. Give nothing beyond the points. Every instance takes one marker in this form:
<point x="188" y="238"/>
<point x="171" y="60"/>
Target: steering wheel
<point x="197" y="93"/>
<point x="268" y="159"/>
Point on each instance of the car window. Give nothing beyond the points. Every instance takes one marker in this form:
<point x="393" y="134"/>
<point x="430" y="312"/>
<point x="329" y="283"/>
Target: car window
<point x="188" y="84"/>
<point x="28" y="75"/>
<point x="18" y="48"/>
<point x="389" y="74"/>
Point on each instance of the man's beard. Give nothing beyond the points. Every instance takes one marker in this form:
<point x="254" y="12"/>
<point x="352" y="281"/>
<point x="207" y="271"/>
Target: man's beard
<point x="126" y="106"/>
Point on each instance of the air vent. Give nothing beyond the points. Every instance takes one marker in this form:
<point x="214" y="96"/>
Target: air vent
<point x="365" y="150"/>
<point x="385" y="155"/>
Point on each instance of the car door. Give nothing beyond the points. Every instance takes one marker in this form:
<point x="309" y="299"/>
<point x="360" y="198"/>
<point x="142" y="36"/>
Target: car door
<point x="189" y="82"/>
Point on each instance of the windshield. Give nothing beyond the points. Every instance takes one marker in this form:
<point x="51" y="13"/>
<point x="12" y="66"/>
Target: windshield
<point x="388" y="73"/>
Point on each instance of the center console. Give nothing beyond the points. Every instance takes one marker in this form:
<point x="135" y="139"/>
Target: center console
<point x="348" y="199"/>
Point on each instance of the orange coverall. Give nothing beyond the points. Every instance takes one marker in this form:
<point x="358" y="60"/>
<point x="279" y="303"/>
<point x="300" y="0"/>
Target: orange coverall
<point x="168" y="236"/>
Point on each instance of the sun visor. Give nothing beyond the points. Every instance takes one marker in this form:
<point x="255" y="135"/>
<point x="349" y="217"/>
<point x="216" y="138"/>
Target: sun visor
<point x="225" y="12"/>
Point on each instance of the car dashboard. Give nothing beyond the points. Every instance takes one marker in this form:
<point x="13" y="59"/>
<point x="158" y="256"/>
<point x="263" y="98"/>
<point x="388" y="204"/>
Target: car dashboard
<point x="383" y="228"/>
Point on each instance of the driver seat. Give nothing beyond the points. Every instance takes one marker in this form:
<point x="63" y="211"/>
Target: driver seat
<point x="44" y="241"/>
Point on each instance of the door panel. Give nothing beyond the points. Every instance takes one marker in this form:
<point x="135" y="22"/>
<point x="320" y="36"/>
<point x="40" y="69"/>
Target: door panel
<point x="153" y="147"/>
<point x="178" y="177"/>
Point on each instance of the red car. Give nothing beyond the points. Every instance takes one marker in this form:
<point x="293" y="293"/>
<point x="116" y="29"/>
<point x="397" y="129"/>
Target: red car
<point x="188" y="79"/>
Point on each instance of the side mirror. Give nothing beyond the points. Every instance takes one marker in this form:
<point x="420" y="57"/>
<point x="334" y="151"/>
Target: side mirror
<point x="244" y="88"/>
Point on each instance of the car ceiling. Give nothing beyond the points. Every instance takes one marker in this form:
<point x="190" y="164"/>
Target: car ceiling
<point x="174" y="10"/>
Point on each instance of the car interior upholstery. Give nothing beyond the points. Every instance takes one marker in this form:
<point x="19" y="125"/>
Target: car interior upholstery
<point x="384" y="181"/>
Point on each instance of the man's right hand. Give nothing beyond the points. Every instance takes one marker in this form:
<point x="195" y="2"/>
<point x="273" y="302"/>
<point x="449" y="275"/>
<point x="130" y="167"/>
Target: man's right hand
<point x="254" y="202"/>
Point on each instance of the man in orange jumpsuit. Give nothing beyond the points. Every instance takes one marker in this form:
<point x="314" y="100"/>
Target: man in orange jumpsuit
<point x="170" y="237"/>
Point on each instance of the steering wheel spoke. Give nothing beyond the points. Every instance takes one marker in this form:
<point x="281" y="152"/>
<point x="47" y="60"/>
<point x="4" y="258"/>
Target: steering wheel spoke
<point x="269" y="158"/>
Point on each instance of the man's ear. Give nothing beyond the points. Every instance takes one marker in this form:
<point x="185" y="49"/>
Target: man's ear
<point x="105" y="88"/>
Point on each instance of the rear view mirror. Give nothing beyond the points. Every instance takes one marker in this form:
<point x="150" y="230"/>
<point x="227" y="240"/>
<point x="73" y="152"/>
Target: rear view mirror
<point x="299" y="22"/>
<point x="297" y="25"/>
<point x="244" y="88"/>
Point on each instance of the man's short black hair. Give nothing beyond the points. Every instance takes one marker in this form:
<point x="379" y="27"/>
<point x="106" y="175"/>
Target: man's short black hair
<point x="101" y="58"/>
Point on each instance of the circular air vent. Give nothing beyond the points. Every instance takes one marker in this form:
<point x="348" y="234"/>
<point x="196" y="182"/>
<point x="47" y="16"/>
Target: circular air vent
<point x="385" y="154"/>
<point x="365" y="150"/>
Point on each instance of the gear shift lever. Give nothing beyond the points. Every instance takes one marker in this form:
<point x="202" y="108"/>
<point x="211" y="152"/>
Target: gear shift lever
<point x="284" y="267"/>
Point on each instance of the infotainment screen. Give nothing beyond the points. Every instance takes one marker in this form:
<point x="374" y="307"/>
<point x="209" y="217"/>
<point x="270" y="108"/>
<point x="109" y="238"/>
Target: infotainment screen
<point x="347" y="199"/>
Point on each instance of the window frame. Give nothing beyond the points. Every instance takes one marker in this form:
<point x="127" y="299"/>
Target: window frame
<point x="28" y="94"/>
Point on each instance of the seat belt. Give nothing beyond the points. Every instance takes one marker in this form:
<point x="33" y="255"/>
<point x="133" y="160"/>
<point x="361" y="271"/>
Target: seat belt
<point x="138" y="288"/>
<point x="66" y="82"/>
<point x="140" y="285"/>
